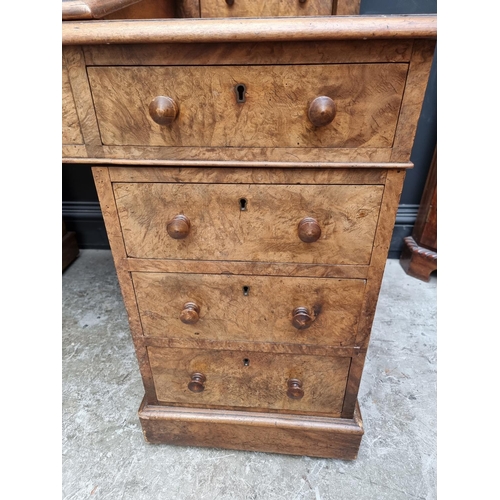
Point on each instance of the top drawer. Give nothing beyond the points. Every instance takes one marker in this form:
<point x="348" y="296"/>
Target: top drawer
<point x="249" y="106"/>
<point x="263" y="8"/>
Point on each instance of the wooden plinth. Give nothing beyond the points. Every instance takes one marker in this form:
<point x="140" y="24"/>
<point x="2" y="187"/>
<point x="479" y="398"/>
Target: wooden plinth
<point x="251" y="431"/>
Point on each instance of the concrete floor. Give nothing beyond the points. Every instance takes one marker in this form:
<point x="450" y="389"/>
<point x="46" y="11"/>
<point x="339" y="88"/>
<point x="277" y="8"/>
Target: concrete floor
<point x="105" y="455"/>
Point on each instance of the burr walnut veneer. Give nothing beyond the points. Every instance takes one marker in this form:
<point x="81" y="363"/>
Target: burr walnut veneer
<point x="249" y="173"/>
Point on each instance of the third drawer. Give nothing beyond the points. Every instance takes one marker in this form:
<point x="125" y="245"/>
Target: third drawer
<point x="316" y="311"/>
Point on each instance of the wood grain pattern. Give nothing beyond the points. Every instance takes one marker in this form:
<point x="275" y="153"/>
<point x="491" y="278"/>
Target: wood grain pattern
<point x="249" y="346"/>
<point x="188" y="8"/>
<point x="418" y="75"/>
<point x="248" y="30"/>
<point x="73" y="153"/>
<point x="290" y="52"/>
<point x="385" y="227"/>
<point x="146" y="9"/>
<point x="75" y="64"/>
<point x="353" y="383"/>
<point x="91" y="9"/>
<point x="228" y="175"/>
<point x="244" y="157"/>
<point x="367" y="97"/>
<point x="240" y="430"/>
<point x="266" y="231"/>
<point x="347" y="7"/>
<point x="247" y="268"/>
<point x="276" y="8"/>
<point x="71" y="133"/>
<point x="255" y="380"/>
<point x="239" y="308"/>
<point x="112" y="223"/>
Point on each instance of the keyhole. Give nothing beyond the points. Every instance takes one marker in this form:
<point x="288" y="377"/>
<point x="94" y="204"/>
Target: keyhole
<point x="240" y="90"/>
<point x="246" y="362"/>
<point x="243" y="204"/>
<point x="246" y="290"/>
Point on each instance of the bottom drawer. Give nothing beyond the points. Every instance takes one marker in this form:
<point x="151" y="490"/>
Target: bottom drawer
<point x="236" y="379"/>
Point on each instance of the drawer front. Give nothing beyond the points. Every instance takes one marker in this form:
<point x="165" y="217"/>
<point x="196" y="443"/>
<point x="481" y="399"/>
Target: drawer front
<point x="274" y="8"/>
<point x="249" y="379"/>
<point x="202" y="108"/>
<point x="249" y="308"/>
<point x="249" y="222"/>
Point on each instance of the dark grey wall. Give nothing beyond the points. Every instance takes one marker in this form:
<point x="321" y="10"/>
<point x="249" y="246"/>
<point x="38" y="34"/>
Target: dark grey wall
<point x="81" y="210"/>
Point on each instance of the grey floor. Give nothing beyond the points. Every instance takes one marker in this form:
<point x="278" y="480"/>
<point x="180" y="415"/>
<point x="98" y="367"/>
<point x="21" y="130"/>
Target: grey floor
<point x="105" y="455"/>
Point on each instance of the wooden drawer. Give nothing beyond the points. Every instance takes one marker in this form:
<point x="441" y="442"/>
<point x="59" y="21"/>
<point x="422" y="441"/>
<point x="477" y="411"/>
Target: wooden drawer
<point x="273" y="8"/>
<point x="280" y="102"/>
<point x="249" y="308"/>
<point x="249" y="379"/>
<point x="267" y="230"/>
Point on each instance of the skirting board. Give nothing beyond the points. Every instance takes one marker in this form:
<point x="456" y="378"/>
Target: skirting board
<point x="252" y="431"/>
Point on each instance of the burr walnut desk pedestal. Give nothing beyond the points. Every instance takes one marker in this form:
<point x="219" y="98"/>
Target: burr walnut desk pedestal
<point x="249" y="173"/>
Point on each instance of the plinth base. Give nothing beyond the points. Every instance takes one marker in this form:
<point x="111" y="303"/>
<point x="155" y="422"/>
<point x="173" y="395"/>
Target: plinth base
<point x="252" y="431"/>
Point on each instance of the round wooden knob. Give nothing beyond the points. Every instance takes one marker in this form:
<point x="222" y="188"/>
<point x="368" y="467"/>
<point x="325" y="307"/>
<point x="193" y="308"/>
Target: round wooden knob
<point x="309" y="230"/>
<point x="197" y="381"/>
<point x="302" y="319"/>
<point x="178" y="228"/>
<point x="190" y="313"/>
<point x="295" y="390"/>
<point x="322" y="111"/>
<point x="163" y="110"/>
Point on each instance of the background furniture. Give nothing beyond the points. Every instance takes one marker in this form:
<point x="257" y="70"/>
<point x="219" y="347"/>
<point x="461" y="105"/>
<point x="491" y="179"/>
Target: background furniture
<point x="419" y="256"/>
<point x="249" y="176"/>
<point x="70" y="250"/>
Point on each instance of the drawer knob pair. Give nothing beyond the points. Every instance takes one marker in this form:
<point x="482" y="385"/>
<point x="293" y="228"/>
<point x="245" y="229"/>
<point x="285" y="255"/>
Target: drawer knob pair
<point x="164" y="110"/>
<point x="301" y="320"/>
<point x="309" y="229"/>
<point x="294" y="391"/>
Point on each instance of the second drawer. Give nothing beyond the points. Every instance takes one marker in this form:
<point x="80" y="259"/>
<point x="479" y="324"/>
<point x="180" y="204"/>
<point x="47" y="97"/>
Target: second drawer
<point x="332" y="224"/>
<point x="318" y="311"/>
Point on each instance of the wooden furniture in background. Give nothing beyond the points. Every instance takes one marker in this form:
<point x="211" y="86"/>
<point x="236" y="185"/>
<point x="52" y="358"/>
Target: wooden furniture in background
<point x="419" y="255"/>
<point x="249" y="185"/>
<point x="70" y="250"/>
